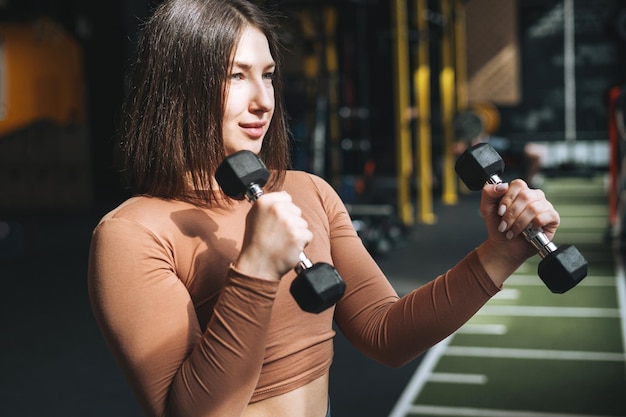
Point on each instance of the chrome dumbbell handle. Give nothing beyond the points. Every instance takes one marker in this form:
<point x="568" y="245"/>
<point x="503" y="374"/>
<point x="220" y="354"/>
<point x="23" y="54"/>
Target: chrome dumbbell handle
<point x="305" y="263"/>
<point x="253" y="192"/>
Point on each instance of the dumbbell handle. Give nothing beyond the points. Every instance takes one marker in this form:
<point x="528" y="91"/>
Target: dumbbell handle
<point x="255" y="191"/>
<point x="534" y="235"/>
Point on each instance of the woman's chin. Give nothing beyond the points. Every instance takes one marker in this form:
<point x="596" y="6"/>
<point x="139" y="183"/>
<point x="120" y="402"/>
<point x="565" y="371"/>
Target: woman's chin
<point x="254" y="148"/>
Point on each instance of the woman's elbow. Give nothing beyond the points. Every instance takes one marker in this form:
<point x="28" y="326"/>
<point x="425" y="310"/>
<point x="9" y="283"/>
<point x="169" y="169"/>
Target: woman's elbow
<point x="393" y="359"/>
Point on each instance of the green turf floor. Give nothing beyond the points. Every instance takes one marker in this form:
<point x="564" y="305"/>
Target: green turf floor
<point x="531" y="353"/>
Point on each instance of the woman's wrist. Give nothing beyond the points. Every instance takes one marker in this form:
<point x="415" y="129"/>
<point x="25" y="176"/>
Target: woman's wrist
<point x="498" y="262"/>
<point x="255" y="266"/>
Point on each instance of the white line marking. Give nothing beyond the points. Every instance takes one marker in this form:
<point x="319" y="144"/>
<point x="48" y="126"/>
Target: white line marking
<point x="420" y="377"/>
<point x="507" y="294"/>
<point x="488" y="329"/>
<point x="568" y="355"/>
<point x="528" y="311"/>
<point x="450" y="378"/>
<point x="422" y="374"/>
<point x="434" y="410"/>
<point x="534" y="280"/>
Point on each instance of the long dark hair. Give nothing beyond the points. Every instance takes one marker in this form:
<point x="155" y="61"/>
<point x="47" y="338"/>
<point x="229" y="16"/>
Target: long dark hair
<point x="171" y="135"/>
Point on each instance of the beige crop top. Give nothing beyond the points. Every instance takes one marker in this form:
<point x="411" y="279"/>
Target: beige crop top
<point x="195" y="338"/>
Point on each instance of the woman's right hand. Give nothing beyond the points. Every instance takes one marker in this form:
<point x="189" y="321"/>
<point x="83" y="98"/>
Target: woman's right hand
<point x="275" y="235"/>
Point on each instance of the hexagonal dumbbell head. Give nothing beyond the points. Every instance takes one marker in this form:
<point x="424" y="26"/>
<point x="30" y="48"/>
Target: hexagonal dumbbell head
<point x="477" y="164"/>
<point x="317" y="288"/>
<point x="562" y="269"/>
<point x="239" y="171"/>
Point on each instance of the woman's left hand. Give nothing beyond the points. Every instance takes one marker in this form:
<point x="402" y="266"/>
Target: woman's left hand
<point x="509" y="209"/>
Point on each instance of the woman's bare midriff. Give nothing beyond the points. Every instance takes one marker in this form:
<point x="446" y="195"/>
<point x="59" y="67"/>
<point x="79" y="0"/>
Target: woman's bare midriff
<point x="310" y="400"/>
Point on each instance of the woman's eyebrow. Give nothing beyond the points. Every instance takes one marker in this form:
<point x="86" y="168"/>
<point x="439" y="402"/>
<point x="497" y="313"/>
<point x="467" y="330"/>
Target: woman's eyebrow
<point x="246" y="66"/>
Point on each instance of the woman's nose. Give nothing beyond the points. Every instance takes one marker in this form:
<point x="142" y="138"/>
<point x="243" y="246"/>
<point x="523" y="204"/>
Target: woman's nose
<point x="262" y="97"/>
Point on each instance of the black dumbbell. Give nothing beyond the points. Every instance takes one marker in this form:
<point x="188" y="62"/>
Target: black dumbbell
<point x="560" y="268"/>
<point x="317" y="286"/>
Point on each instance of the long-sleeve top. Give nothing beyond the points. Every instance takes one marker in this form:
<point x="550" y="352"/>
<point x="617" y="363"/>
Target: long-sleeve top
<point x="194" y="337"/>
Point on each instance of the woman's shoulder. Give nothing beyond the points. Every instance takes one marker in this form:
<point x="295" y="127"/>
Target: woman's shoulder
<point x="306" y="181"/>
<point x="142" y="206"/>
<point x="309" y="188"/>
<point x="146" y="211"/>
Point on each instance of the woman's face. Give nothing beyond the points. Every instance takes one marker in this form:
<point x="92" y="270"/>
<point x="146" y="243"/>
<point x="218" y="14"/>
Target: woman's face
<point x="250" y="94"/>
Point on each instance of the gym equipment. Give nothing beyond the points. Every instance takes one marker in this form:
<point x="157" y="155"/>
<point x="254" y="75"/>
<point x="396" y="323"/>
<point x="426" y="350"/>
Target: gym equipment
<point x="44" y="122"/>
<point x="317" y="286"/>
<point x="560" y="268"/>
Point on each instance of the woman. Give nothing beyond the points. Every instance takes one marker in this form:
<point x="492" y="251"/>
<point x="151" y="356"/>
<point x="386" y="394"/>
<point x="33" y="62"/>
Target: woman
<point x="190" y="289"/>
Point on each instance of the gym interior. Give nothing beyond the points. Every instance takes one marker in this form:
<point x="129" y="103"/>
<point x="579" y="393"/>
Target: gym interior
<point x="383" y="97"/>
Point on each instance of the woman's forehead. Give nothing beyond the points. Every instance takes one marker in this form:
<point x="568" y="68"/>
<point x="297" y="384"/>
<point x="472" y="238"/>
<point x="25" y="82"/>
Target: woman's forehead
<point x="253" y="49"/>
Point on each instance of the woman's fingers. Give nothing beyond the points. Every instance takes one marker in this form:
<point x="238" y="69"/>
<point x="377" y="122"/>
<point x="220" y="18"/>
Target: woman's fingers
<point x="275" y="235"/>
<point x="522" y="207"/>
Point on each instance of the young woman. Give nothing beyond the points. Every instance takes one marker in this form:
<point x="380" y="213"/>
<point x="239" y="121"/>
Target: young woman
<point x="190" y="288"/>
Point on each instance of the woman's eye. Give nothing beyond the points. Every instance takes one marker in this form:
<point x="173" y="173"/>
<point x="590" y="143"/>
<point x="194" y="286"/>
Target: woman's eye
<point x="237" y="76"/>
<point x="268" y="76"/>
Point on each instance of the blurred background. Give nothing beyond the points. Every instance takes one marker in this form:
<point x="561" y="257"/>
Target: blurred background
<point x="382" y="95"/>
<point x="374" y="88"/>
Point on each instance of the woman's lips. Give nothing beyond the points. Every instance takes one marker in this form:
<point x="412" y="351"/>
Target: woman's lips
<point x="254" y="130"/>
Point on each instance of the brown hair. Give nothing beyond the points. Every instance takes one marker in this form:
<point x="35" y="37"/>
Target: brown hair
<point x="171" y="137"/>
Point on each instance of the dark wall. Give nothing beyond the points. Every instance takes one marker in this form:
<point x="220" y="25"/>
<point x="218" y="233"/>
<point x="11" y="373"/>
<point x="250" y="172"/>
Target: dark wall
<point x="600" y="64"/>
<point x="105" y="30"/>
